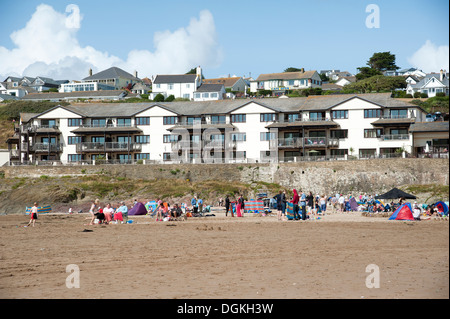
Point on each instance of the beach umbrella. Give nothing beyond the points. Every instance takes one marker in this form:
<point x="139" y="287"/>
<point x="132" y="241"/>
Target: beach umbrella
<point x="394" y="194"/>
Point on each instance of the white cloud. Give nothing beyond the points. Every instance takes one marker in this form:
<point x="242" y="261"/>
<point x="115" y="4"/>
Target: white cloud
<point x="48" y="46"/>
<point x="431" y="58"/>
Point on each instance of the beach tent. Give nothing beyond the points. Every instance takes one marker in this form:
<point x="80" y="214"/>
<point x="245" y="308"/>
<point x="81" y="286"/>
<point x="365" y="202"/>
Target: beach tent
<point x="404" y="212"/>
<point x="442" y="208"/>
<point x="41" y="210"/>
<point x="138" y="209"/>
<point x="353" y="204"/>
<point x="151" y="204"/>
<point x="395" y="193"/>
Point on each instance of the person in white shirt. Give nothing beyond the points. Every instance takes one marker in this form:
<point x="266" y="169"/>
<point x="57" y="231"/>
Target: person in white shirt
<point x="341" y="203"/>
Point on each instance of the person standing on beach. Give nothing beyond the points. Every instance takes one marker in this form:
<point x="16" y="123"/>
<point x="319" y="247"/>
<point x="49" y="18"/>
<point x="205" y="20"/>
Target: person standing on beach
<point x="295" y="200"/>
<point x="227" y="206"/>
<point x="303" y="204"/>
<point x="92" y="210"/>
<point x="277" y="197"/>
<point x="33" y="215"/>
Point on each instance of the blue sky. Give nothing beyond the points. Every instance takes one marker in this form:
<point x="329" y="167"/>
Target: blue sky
<point x="249" y="36"/>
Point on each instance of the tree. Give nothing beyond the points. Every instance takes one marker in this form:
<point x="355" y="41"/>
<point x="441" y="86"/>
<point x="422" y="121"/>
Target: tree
<point x="292" y="69"/>
<point x="366" y="72"/>
<point x="383" y="61"/>
<point x="194" y="71"/>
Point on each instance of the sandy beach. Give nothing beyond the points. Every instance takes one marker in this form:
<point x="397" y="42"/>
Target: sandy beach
<point x="223" y="257"/>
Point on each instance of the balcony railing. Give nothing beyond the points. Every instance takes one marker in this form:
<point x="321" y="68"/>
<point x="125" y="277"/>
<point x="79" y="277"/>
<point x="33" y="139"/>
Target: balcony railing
<point x="392" y="137"/>
<point x="46" y="147"/>
<point x="108" y="147"/>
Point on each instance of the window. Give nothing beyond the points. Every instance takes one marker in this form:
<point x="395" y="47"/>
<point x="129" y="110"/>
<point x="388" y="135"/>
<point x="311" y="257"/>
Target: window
<point x="267" y="136"/>
<point x="238" y="137"/>
<point x="399" y="131"/>
<point x="238" y="118"/>
<point x="186" y="96"/>
<point x="142" y="156"/>
<point x="372" y="113"/>
<point x="218" y="119"/>
<point x="74" y="122"/>
<point x="123" y="139"/>
<point x="291" y="82"/>
<point x="339" y="114"/>
<point x="214" y="95"/>
<point x="169" y="120"/>
<point x="399" y="114"/>
<point x="239" y="155"/>
<point x="194" y="120"/>
<point x="142" y="121"/>
<point x="339" y="134"/>
<point x="339" y="152"/>
<point x="316" y="116"/>
<point x="205" y="95"/>
<point x="166" y="156"/>
<point x="74" y="157"/>
<point x="188" y="85"/>
<point x="142" y="139"/>
<point x="124" y="158"/>
<point x="98" y="139"/>
<point x="367" y="153"/>
<point x="373" y="133"/>
<point x="268" y="117"/>
<point x="157" y="86"/>
<point x="123" y="122"/>
<point x="291" y="117"/>
<point x="48" y="123"/>
<point x="98" y="122"/>
<point x="170" y="86"/>
<point x="169" y="138"/>
<point x="71" y="140"/>
<point x="197" y="95"/>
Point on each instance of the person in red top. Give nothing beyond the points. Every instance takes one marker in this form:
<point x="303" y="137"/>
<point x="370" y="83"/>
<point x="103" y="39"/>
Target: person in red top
<point x="294" y="201"/>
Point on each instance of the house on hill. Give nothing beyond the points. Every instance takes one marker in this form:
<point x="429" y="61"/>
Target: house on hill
<point x="232" y="84"/>
<point x="280" y="83"/>
<point x="178" y="85"/>
<point x="113" y="77"/>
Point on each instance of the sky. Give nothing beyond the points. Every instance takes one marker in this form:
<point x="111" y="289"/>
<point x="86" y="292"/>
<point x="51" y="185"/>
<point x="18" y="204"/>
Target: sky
<point x="62" y="39"/>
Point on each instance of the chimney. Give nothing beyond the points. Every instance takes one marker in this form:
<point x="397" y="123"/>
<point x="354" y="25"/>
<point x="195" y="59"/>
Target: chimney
<point x="441" y="76"/>
<point x="90" y="72"/>
<point x="302" y="70"/>
<point x="135" y="74"/>
<point x="199" y="73"/>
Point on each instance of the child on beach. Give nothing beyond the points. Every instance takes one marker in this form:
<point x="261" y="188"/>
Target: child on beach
<point x="33" y="214"/>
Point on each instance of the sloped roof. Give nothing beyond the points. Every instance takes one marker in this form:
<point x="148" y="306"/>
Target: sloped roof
<point x="210" y="88"/>
<point x="227" y="82"/>
<point x="286" y="76"/>
<point x="111" y="73"/>
<point x="175" y="78"/>
<point x="441" y="126"/>
<point x="80" y="94"/>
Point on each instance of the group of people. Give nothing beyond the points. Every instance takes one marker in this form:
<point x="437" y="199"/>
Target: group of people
<point x="302" y="203"/>
<point x="239" y="206"/>
<point x="108" y="213"/>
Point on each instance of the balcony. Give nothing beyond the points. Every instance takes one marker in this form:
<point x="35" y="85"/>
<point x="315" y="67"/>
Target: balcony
<point x="36" y="129"/>
<point x="321" y="142"/>
<point x="280" y="143"/>
<point x="46" y="147"/>
<point x="394" y="137"/>
<point x="108" y="147"/>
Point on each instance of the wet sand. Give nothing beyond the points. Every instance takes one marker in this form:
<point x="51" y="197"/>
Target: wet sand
<point x="223" y="257"/>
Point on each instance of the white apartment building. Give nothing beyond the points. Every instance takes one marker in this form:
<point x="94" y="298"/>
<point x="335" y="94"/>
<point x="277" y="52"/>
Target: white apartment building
<point x="331" y="127"/>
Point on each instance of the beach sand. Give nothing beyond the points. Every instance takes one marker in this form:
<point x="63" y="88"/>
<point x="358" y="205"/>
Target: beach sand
<point x="218" y="257"/>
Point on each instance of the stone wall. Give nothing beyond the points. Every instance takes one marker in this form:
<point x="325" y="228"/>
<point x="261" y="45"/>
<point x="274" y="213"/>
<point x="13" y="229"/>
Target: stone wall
<point x="371" y="176"/>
